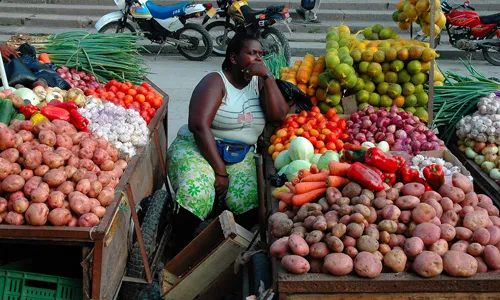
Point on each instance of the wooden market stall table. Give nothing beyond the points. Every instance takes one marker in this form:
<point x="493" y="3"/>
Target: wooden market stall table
<point x="105" y="247"/>
<point x="387" y="286"/>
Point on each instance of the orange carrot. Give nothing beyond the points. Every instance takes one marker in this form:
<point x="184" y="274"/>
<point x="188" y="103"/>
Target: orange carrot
<point x="336" y="181"/>
<point x="282" y="206"/>
<point x="285" y="197"/>
<point x="324" y="171"/>
<point x="303" y="173"/>
<point x="295" y="180"/>
<point x="338" y="169"/>
<point x="44" y="57"/>
<point x="291" y="187"/>
<point x="314" y="169"/>
<point x="320" y="177"/>
<point x="302" y="199"/>
<point x="305" y="187"/>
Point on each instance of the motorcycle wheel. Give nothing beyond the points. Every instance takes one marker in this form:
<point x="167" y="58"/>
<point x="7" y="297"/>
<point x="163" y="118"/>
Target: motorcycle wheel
<point x="116" y="27"/>
<point x="494" y="50"/>
<point x="190" y="52"/>
<point x="216" y="31"/>
<point x="279" y="43"/>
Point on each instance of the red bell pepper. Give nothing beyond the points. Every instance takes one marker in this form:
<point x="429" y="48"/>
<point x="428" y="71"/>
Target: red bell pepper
<point x="365" y="176"/>
<point x="401" y="161"/>
<point x="384" y="162"/>
<point x="69" y="106"/>
<point x="408" y="174"/>
<point x="434" y="175"/>
<point x="376" y="170"/>
<point x="28" y="110"/>
<point x="55" y="113"/>
<point x="389" y="178"/>
<point x="79" y="121"/>
<point x="428" y="188"/>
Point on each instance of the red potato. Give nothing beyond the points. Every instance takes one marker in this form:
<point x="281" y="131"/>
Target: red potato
<point x="79" y="203"/>
<point x="428" y="232"/>
<point x="63" y="127"/>
<point x="385" y="237"/>
<point x="414" y="246"/>
<point x="475" y="220"/>
<point x="391" y="212"/>
<point x="106" y="196"/>
<point x="102" y="143"/>
<point x="26" y="125"/>
<point x="14" y="218"/>
<point x="64" y="153"/>
<point x="56" y="199"/>
<point x="44" y="125"/>
<point x="5" y="168"/>
<point x="482" y="198"/>
<point x="491" y="256"/>
<point x="314" y="237"/>
<point x="422" y="213"/>
<point x="94" y="202"/>
<point x="39" y="195"/>
<point x="20" y="205"/>
<point x="392" y="194"/>
<point x="440" y="247"/>
<point x="495" y="221"/>
<point x="88" y="220"/>
<point x="26" y="174"/>
<point x="100" y="156"/>
<point x="113" y="183"/>
<point x="367" y="243"/>
<point x="279" y="248"/>
<point x="482" y="236"/>
<point x="98" y="211"/>
<point x="318" y="250"/>
<point x="462" y="182"/>
<point x="449" y="217"/>
<point x="66" y="204"/>
<point x="407" y="202"/>
<point x="11" y="155"/>
<point x="79" y="175"/>
<point x="55" y="177"/>
<point x="3" y="205"/>
<point x="24" y="147"/>
<point x="73" y="161"/>
<point x="90" y="143"/>
<point x="31" y="184"/>
<point x="26" y="136"/>
<point x="428" y="264"/>
<point x="316" y="265"/>
<point x="334" y="244"/>
<point x="465" y="210"/>
<point x="37" y="214"/>
<point x="32" y="159"/>
<point x="16" y="169"/>
<point x="70" y="171"/>
<point x="18" y="140"/>
<point x="470" y="199"/>
<point x="446" y="204"/>
<point x="351" y="251"/>
<point x="295" y="264"/>
<point x="494" y="235"/>
<point x="463" y="233"/>
<point x="64" y="141"/>
<point x="339" y="230"/>
<point x="431" y="195"/>
<point x="52" y="160"/>
<point x="73" y="222"/>
<point x="384" y="249"/>
<point x="86" y="164"/>
<point x="15" y="123"/>
<point x="6" y="138"/>
<point x="121" y="164"/>
<point x="43" y="148"/>
<point x="78" y="136"/>
<point x="490" y="208"/>
<point x="95" y="189"/>
<point x="85" y="153"/>
<point x="13" y="183"/>
<point x="41" y="170"/>
<point x="118" y="172"/>
<point x="413" y="189"/>
<point x="481" y="265"/>
<point x="90" y="176"/>
<point x="319" y="223"/>
<point x="47" y="137"/>
<point x="59" y="217"/>
<point x="448" y="232"/>
<point x="379" y="203"/>
<point x="459" y="264"/>
<point x="113" y="152"/>
<point x="475" y="249"/>
<point x="367" y="265"/>
<point x="107" y="165"/>
<point x="371" y="230"/>
<point x="338" y="264"/>
<point x="437" y="207"/>
<point x="395" y="260"/>
<point x="75" y="150"/>
<point x="298" y="245"/>
<point x="355" y="230"/>
<point x="83" y="186"/>
<point x="349" y="241"/>
<point x="388" y="225"/>
<point x="455" y="194"/>
<point x="44" y="186"/>
<point x="461" y="246"/>
<point x="66" y="187"/>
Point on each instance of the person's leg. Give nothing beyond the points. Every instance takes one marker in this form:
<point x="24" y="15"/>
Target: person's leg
<point x="313" y="14"/>
<point x="301" y="12"/>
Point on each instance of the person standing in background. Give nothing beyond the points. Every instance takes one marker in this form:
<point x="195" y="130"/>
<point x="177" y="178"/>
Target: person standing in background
<point x="311" y="7"/>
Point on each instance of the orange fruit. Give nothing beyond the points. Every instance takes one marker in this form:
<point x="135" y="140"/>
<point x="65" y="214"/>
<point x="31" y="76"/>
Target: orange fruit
<point x="270" y="150"/>
<point x="399" y="101"/>
<point x="403" y="54"/>
<point x="275" y="154"/>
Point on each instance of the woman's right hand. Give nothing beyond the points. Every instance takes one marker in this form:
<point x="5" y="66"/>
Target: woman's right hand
<point x="221" y="186"/>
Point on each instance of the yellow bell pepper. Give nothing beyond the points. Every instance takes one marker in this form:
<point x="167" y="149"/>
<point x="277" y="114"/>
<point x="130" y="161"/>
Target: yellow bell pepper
<point x="38" y="117"/>
<point x="279" y="190"/>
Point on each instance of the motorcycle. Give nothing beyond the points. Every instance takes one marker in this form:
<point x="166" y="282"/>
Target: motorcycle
<point x="162" y="24"/>
<point x="239" y="17"/>
<point x="470" y="32"/>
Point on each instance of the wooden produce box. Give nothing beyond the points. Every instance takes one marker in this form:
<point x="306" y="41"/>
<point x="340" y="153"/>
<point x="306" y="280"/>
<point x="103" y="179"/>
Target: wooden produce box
<point x="207" y="257"/>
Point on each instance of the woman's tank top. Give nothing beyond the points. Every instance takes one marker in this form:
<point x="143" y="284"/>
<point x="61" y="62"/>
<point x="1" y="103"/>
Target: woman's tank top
<point x="240" y="116"/>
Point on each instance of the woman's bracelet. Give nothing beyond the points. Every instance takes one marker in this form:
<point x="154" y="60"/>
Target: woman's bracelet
<point x="226" y="176"/>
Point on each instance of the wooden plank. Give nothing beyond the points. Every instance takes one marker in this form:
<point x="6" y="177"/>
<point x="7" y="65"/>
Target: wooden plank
<point x="206" y="272"/>
<point x="227" y="283"/>
<point x="395" y="296"/>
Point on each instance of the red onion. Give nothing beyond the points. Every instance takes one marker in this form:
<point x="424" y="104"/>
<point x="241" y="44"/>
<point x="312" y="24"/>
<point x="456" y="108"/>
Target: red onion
<point x="391" y="128"/>
<point x="81" y="73"/>
<point x="91" y="77"/>
<point x="415" y="147"/>
<point x="383" y="129"/>
<point x="354" y="116"/>
<point x="379" y="136"/>
<point x="73" y="70"/>
<point x="427" y="146"/>
<point x="389" y="138"/>
<point x="398" y="146"/>
<point x="392" y="115"/>
<point x="356" y="142"/>
<point x="369" y="135"/>
<point x="434" y="139"/>
<point x="395" y="119"/>
<point x="428" y="133"/>
<point x="60" y="71"/>
<point x="366" y="124"/>
<point x="408" y="128"/>
<point x="416" y="119"/>
<point x="440" y="143"/>
<point x="403" y="115"/>
<point x="86" y="78"/>
<point x="400" y="134"/>
<point x="370" y="110"/>
<point x="355" y="131"/>
<point x="414" y="135"/>
<point x="399" y="124"/>
<point x="394" y="109"/>
<point x="65" y="69"/>
<point x="373" y="128"/>
<point x="371" y="140"/>
<point x="361" y="137"/>
<point x="76" y="77"/>
<point x="421" y="127"/>
<point x="349" y="123"/>
<point x="364" y="131"/>
<point x="373" y="117"/>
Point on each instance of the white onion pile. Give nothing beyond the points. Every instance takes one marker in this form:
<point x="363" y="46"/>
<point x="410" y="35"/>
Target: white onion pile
<point x="78" y="79"/>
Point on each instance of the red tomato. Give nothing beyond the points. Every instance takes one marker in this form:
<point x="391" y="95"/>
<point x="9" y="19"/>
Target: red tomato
<point x="331" y="125"/>
<point x="313" y="114"/>
<point x="321" y="137"/>
<point x="332" y="137"/>
<point x="144" y="114"/>
<point x="90" y="92"/>
<point x="150" y="98"/>
<point x="339" y="144"/>
<point x="129" y="84"/>
<point x="145" y="105"/>
<point x="100" y="90"/>
<point x="319" y="144"/>
<point x="301" y="120"/>
<point x="121" y="103"/>
<point x="303" y="114"/>
<point x="140" y="98"/>
<point x="288" y="120"/>
<point x="307" y="127"/>
<point x="313" y="122"/>
<point x="344" y="137"/>
<point x="128" y="99"/>
<point x="335" y="119"/>
<point x="135" y="87"/>
<point x="320" y="117"/>
<point x="146" y="86"/>
<point x="294" y="124"/>
<point x="295" y="117"/>
<point x="331" y="146"/>
<point x="111" y="94"/>
<point x="337" y="131"/>
<point x="315" y="109"/>
<point x="313" y="140"/>
<point x="113" y="89"/>
<point x="306" y="134"/>
<point x="120" y="95"/>
<point x="151" y="112"/>
<point x="142" y="90"/>
<point x="331" y="113"/>
<point x="322" y="125"/>
<point x="147" y="119"/>
<point x="132" y="92"/>
<point x="156" y="103"/>
<point x="342" y="124"/>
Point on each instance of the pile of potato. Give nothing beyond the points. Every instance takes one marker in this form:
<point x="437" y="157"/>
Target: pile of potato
<point x="402" y="228"/>
<point x="51" y="173"/>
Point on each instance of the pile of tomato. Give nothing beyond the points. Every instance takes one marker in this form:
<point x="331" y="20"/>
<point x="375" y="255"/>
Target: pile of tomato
<point x="324" y="131"/>
<point x="142" y="98"/>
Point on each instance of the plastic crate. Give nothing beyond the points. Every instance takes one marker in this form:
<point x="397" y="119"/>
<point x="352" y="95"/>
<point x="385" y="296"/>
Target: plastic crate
<point x="16" y="284"/>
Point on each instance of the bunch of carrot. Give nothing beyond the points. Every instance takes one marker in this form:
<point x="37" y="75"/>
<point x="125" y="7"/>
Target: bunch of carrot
<point x="312" y="183"/>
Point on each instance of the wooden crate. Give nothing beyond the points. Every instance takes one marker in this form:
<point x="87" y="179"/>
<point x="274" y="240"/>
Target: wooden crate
<point x="207" y="257"/>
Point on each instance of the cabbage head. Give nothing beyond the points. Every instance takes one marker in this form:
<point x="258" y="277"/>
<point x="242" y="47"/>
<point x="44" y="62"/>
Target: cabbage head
<point x="301" y="149"/>
<point x="326" y="158"/>
<point x="282" y="160"/>
<point x="293" y="168"/>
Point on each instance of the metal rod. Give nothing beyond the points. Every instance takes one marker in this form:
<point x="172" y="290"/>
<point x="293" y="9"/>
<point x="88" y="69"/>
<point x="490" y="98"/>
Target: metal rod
<point x="430" y="106"/>
<point x="138" y="232"/>
<point x="261" y="196"/>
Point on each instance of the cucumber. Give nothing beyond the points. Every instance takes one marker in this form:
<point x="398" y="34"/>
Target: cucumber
<point x="26" y="102"/>
<point x="6" y="111"/>
<point x="18" y="116"/>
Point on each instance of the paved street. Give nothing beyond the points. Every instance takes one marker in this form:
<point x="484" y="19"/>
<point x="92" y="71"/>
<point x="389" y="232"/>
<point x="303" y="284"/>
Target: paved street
<point x="178" y="77"/>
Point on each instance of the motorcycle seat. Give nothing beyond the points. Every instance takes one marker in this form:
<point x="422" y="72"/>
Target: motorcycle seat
<point x="166" y="11"/>
<point x="491" y="19"/>
<point x="250" y="14"/>
<point x="275" y="8"/>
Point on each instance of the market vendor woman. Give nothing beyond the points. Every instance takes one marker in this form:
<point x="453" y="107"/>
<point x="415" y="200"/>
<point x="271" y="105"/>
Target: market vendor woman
<point x="232" y="104"/>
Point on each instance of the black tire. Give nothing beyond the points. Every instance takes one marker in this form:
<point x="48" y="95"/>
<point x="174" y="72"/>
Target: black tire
<point x="486" y="51"/>
<point x="207" y="40"/>
<point x="116" y="24"/>
<point x="219" y="45"/>
<point x="149" y="230"/>
<point x="284" y="45"/>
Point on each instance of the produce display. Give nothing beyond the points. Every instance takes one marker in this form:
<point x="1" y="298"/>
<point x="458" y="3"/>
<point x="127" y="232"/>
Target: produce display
<point x="52" y="174"/>
<point x="403" y="131"/>
<point x="323" y="131"/>
<point x="379" y="32"/>
<point x="421" y="162"/>
<point x="79" y="79"/>
<point x="419" y="11"/>
<point x="368" y="212"/>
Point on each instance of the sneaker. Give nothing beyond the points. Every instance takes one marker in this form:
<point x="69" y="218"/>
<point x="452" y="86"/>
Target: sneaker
<point x="302" y="14"/>
<point x="315" y="21"/>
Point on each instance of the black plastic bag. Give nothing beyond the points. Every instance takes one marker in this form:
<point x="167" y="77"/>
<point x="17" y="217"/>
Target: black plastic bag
<point x="53" y="79"/>
<point x="18" y="73"/>
<point x="293" y="93"/>
<point x="35" y="65"/>
<point x="27" y="50"/>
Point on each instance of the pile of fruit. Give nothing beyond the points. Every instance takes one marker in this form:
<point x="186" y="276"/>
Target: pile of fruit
<point x="142" y="98"/>
<point x="418" y="11"/>
<point x="324" y="131"/>
<point x="379" y="32"/>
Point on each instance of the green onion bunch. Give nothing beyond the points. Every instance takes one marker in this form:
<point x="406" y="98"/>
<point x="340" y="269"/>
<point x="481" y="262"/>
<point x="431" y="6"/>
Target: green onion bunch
<point x="275" y="61"/>
<point x="458" y="97"/>
<point x="106" y="56"/>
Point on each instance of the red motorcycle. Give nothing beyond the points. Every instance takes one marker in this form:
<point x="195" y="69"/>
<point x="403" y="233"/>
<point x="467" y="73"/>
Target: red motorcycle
<point x="470" y="32"/>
